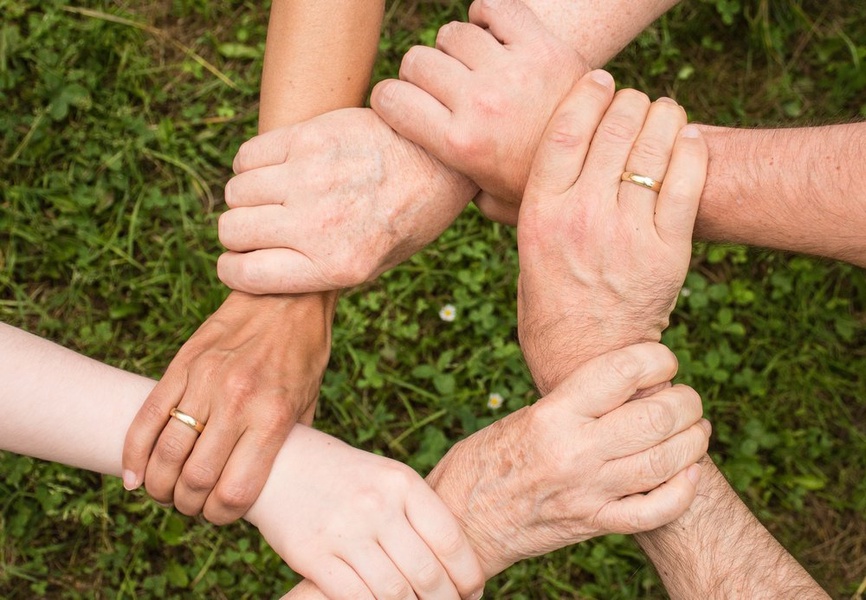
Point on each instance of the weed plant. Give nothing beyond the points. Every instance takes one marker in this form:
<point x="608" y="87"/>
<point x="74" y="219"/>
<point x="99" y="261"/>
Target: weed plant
<point x="118" y="124"/>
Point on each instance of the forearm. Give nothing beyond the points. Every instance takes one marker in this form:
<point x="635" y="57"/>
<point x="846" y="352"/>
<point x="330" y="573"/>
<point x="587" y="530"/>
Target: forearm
<point x="719" y="549"/>
<point x="61" y="406"/>
<point x="598" y="29"/>
<point x="318" y="58"/>
<point x="789" y="189"/>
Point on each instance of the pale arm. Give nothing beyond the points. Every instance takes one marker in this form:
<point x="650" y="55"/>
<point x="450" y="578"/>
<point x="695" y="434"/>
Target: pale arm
<point x="318" y="509"/>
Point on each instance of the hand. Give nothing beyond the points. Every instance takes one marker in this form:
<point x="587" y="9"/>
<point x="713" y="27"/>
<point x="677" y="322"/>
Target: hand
<point x="480" y="100"/>
<point x="581" y="462"/>
<point x="602" y="260"/>
<point x="250" y="372"/>
<point x="331" y="203"/>
<point x="362" y="526"/>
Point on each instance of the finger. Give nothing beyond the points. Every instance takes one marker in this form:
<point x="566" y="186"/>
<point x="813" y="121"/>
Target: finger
<point x="271" y="148"/>
<point x="605" y="382"/>
<point x="148" y="423"/>
<point x="425" y="575"/>
<point x="438" y="74"/>
<point x="413" y="113"/>
<point x="647" y="470"/>
<point x="244" y="474"/>
<point x="379" y="572"/>
<point x="681" y="192"/>
<point x="649" y="157"/>
<point x="438" y="528"/>
<point x="647" y="421"/>
<point x="469" y="44"/>
<point x="260" y="227"/>
<point x="644" y="512"/>
<point x="272" y="271"/>
<point x="173" y="447"/>
<point x="336" y="579"/>
<point x="563" y="148"/>
<point x="510" y="21"/>
<point x="614" y="139"/>
<point x="204" y="466"/>
<point x="257" y="187"/>
<point x="497" y="210"/>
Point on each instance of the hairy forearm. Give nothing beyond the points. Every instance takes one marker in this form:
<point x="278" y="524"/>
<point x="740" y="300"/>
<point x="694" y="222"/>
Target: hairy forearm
<point x="718" y="549"/>
<point x="788" y="189"/>
<point x="318" y="58"/>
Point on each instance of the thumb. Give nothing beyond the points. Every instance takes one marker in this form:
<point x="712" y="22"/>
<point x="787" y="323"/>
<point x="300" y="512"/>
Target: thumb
<point x="606" y="382"/>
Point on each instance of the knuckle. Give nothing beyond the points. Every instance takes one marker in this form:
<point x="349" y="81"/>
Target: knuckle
<point x="171" y="450"/>
<point x="655" y="467"/>
<point x="619" y="128"/>
<point x="624" y="366"/>
<point x="659" y="417"/>
<point x="239" y="388"/>
<point x="154" y="412"/>
<point x="199" y="477"/>
<point x="450" y="542"/>
<point x="649" y="149"/>
<point x="235" y="496"/>
<point x="398" y="589"/>
<point x="428" y="576"/>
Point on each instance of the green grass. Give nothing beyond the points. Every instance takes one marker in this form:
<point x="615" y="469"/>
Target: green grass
<point x="117" y="130"/>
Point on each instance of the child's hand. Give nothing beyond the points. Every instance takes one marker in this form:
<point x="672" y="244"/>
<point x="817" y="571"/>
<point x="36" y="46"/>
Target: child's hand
<point x="362" y="526"/>
<point x="480" y="100"/>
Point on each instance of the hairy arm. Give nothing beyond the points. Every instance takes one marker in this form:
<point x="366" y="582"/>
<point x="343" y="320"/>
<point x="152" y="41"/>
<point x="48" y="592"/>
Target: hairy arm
<point x="789" y="189"/>
<point x="718" y="549"/>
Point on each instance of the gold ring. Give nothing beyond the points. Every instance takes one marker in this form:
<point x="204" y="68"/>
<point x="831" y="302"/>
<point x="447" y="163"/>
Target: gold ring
<point x="186" y="419"/>
<point x="642" y="180"/>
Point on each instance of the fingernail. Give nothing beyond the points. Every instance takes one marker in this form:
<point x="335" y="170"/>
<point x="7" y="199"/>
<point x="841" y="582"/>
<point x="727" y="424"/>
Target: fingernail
<point x="602" y="77"/>
<point x="708" y="427"/>
<point x="694" y="474"/>
<point x="690" y="131"/>
<point x="130" y="481"/>
<point x="476" y="595"/>
<point x="666" y="100"/>
<point x="164" y="504"/>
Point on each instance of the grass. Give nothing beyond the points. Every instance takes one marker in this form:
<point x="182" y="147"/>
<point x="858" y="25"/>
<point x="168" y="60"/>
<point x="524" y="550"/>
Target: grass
<point x="118" y="126"/>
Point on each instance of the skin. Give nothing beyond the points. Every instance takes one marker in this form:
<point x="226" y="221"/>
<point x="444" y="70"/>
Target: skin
<point x="521" y="462"/>
<point x="774" y="188"/>
<point x="295" y="183"/>
<point x="254" y="367"/>
<point x="320" y="513"/>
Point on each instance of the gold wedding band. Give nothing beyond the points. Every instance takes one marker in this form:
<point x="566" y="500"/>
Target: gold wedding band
<point x="642" y="180"/>
<point x="186" y="419"/>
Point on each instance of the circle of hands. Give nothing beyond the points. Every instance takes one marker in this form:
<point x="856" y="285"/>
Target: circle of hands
<point x="501" y="109"/>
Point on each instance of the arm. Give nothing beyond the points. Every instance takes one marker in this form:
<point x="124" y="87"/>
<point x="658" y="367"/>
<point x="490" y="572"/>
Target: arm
<point x="402" y="199"/>
<point x="718" y="549"/>
<point x="793" y="189"/>
<point x="788" y="189"/>
<point x="254" y="367"/>
<point x="318" y="509"/>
